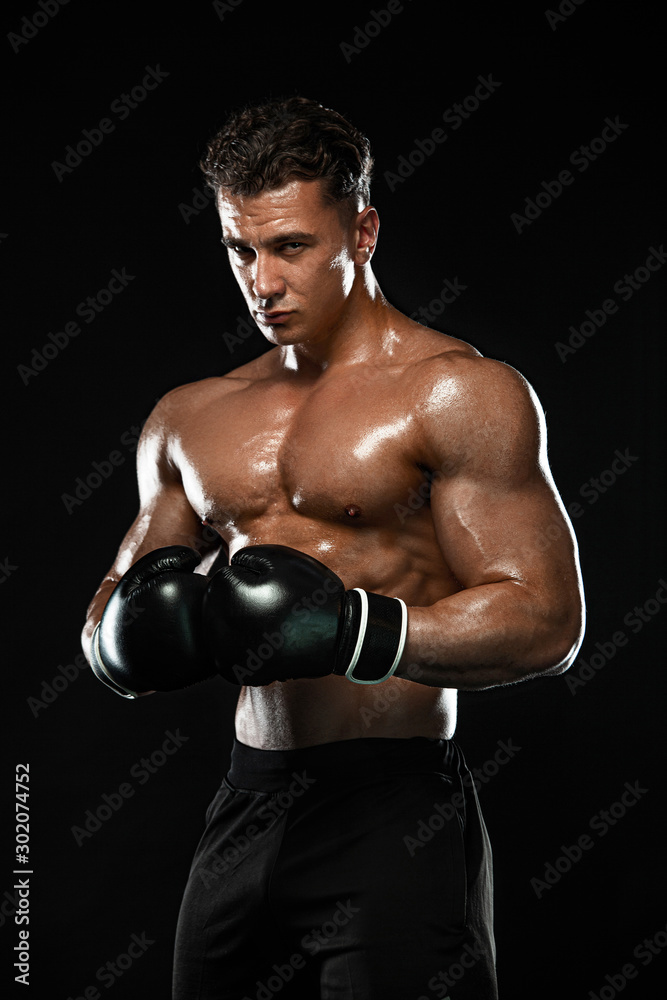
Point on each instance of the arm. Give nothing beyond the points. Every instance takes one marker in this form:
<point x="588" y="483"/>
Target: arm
<point x="165" y="516"/>
<point x="503" y="532"/>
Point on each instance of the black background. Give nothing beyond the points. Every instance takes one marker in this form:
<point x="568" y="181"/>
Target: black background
<point x="132" y="203"/>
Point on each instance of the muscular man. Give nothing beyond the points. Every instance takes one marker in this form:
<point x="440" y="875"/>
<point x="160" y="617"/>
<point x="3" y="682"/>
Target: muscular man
<point x="382" y="498"/>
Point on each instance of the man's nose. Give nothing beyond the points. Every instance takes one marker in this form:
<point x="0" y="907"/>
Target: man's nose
<point x="268" y="280"/>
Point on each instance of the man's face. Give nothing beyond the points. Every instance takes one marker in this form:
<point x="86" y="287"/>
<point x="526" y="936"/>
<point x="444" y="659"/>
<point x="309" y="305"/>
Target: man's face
<point x="294" y="256"/>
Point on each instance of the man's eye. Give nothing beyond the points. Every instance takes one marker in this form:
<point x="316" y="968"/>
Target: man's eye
<point x="239" y="251"/>
<point x="292" y="246"/>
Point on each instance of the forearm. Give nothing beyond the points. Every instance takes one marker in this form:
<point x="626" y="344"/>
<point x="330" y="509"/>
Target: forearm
<point x="498" y="633"/>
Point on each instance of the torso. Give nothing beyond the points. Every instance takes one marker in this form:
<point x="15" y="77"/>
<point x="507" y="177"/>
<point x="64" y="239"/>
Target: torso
<point x="334" y="467"/>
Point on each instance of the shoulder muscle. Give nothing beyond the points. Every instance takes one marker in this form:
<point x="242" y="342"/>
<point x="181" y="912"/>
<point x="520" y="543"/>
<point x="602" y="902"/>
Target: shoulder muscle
<point x="482" y="416"/>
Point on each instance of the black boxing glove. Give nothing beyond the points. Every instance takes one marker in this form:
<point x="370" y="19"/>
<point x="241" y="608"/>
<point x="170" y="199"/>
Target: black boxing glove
<point x="275" y="613"/>
<point x="150" y="636"/>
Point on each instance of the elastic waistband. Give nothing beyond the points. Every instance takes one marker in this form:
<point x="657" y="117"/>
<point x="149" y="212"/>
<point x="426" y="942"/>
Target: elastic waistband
<point x="273" y="770"/>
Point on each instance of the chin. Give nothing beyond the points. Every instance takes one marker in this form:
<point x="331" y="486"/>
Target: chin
<point x="283" y="336"/>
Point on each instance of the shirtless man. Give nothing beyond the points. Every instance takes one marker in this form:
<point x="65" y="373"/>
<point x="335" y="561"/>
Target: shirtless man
<point x="362" y="451"/>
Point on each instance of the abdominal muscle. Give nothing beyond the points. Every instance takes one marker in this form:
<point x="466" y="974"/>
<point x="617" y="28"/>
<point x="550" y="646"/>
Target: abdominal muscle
<point x="304" y="712"/>
<point x="299" y="713"/>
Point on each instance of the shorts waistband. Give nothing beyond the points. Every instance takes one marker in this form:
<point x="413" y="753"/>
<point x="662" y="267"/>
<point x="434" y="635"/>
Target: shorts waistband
<point x="273" y="770"/>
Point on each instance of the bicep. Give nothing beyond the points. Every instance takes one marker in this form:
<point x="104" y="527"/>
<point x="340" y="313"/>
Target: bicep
<point x="515" y="531"/>
<point x="165" y="515"/>
<point x="496" y="511"/>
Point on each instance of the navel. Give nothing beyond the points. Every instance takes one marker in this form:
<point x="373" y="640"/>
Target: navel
<point x="352" y="510"/>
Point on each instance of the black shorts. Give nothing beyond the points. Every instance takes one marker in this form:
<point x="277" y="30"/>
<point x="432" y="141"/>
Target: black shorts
<point x="358" y="870"/>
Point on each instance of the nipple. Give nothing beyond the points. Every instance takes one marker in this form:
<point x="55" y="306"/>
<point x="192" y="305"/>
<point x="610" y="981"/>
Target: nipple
<point x="352" y="510"/>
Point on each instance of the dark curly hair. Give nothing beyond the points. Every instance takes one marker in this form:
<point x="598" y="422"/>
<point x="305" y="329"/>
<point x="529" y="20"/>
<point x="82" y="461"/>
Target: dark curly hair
<point x="263" y="146"/>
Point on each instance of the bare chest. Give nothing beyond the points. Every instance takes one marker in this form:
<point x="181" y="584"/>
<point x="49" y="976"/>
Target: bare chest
<point x="338" y="453"/>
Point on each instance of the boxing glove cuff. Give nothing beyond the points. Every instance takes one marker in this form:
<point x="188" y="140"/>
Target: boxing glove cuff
<point x="375" y="631"/>
<point x="100" y="670"/>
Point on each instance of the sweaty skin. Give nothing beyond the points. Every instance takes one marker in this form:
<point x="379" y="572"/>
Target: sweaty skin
<point x="396" y="455"/>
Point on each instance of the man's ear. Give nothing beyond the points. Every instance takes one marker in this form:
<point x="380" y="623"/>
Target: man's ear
<point x="366" y="235"/>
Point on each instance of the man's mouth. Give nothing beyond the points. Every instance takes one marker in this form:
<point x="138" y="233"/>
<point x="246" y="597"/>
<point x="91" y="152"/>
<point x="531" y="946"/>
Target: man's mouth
<point x="271" y="318"/>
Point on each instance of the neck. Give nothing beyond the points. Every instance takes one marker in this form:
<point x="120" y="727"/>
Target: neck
<point x="365" y="330"/>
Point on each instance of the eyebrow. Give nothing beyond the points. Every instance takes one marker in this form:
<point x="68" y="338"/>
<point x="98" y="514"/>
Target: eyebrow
<point x="293" y="237"/>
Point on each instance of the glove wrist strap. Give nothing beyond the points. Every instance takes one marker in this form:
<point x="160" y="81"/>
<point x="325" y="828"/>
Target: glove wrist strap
<point x="381" y="629"/>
